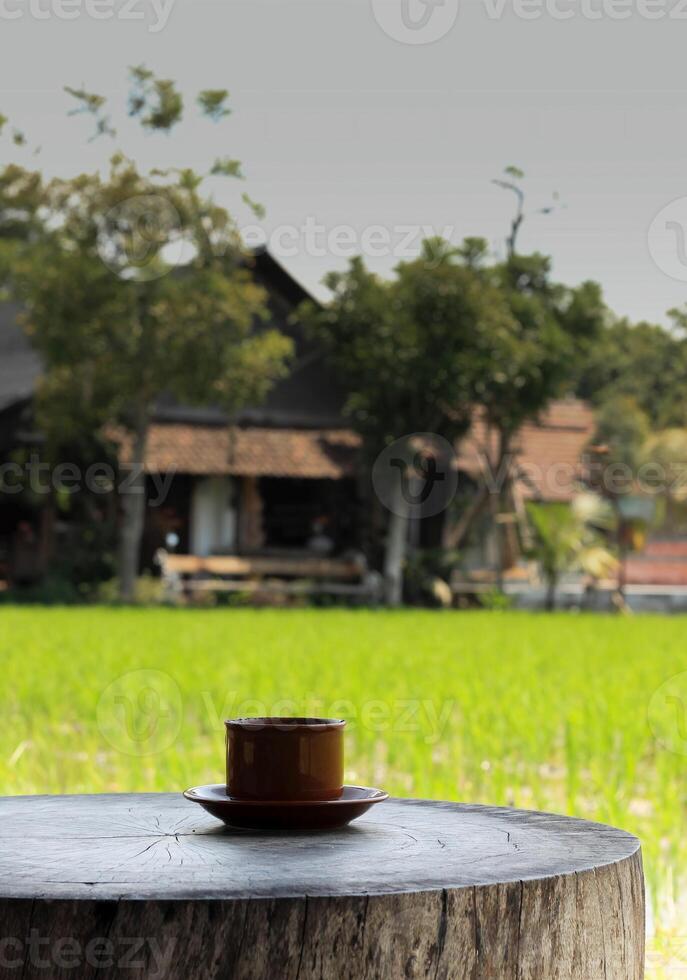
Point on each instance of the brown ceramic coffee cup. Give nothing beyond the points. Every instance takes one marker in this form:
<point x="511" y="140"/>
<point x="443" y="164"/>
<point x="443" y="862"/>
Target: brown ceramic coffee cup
<point x="284" y="758"/>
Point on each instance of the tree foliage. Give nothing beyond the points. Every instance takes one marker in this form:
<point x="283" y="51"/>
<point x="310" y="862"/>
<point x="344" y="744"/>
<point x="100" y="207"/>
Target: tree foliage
<point x="118" y="324"/>
<point x="622" y="429"/>
<point x="135" y="287"/>
<point x="551" y="327"/>
<point x="667" y="450"/>
<point x="155" y="102"/>
<point x="643" y="362"/>
<point x="409" y="349"/>
<point x="450" y="334"/>
<point x="213" y="103"/>
<point x="568" y="538"/>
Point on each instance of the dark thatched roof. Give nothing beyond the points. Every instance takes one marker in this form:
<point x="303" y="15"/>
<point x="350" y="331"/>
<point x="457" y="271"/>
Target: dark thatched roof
<point x="308" y="397"/>
<point x="20" y="365"/>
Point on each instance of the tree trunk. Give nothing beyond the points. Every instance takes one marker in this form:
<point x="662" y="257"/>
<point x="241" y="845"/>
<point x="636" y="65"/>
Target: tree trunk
<point x="455" y="534"/>
<point x="499" y="492"/>
<point x="497" y="532"/>
<point x="619" y="602"/>
<point x="396" y="546"/>
<point x="489" y="493"/>
<point x="133" y="506"/>
<point x="150" y="887"/>
<point x="551" y="583"/>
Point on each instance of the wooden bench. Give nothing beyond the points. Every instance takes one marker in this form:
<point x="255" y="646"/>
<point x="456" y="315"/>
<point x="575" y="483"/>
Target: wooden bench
<point x="184" y="575"/>
<point x="485" y="581"/>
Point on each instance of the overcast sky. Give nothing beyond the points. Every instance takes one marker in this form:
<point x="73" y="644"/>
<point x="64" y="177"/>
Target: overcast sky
<point x="361" y="120"/>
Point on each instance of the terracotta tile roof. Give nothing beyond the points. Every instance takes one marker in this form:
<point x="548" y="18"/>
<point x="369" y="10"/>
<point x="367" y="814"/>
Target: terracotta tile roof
<point x="663" y="562"/>
<point x="666" y="548"/>
<point x="200" y="450"/>
<point x="204" y="450"/>
<point x="643" y="571"/>
<point x="548" y="453"/>
<point x="318" y="453"/>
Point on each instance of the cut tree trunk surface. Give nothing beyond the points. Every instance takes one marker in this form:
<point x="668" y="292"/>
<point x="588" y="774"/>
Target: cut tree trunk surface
<point x="149" y="885"/>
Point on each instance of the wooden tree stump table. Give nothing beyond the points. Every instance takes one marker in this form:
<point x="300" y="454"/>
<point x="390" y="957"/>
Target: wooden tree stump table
<point x="150" y="885"/>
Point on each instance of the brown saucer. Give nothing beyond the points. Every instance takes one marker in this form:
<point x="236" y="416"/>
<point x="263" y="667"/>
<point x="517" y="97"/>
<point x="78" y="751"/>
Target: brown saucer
<point x="285" y="814"/>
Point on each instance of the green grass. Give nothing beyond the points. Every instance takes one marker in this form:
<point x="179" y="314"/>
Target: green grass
<point x="539" y="711"/>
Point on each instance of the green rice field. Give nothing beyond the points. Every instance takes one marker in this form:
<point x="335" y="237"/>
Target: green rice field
<point x="581" y="714"/>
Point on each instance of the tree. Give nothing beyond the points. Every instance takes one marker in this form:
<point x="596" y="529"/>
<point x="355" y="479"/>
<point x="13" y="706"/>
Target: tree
<point x="551" y="327"/>
<point x="20" y="197"/>
<point x="636" y="376"/>
<point x="665" y="452"/>
<point x="450" y="336"/>
<point x="567" y="537"/>
<point x="614" y="459"/>
<point x="512" y="181"/>
<point x="643" y="362"/>
<point x="410" y="352"/>
<point x="138" y="287"/>
<point x="622" y="429"/>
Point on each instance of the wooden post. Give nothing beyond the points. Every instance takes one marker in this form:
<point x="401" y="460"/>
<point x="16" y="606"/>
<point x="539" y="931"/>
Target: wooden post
<point x="251" y="532"/>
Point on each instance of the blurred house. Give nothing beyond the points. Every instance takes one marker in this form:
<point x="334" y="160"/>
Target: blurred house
<point x="546" y="463"/>
<point x="24" y="531"/>
<point x="662" y="564"/>
<point x="547" y="455"/>
<point x="282" y="478"/>
<point x="266" y="480"/>
<point x="271" y="479"/>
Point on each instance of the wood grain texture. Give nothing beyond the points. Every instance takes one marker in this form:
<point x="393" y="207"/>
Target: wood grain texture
<point x="415" y="889"/>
